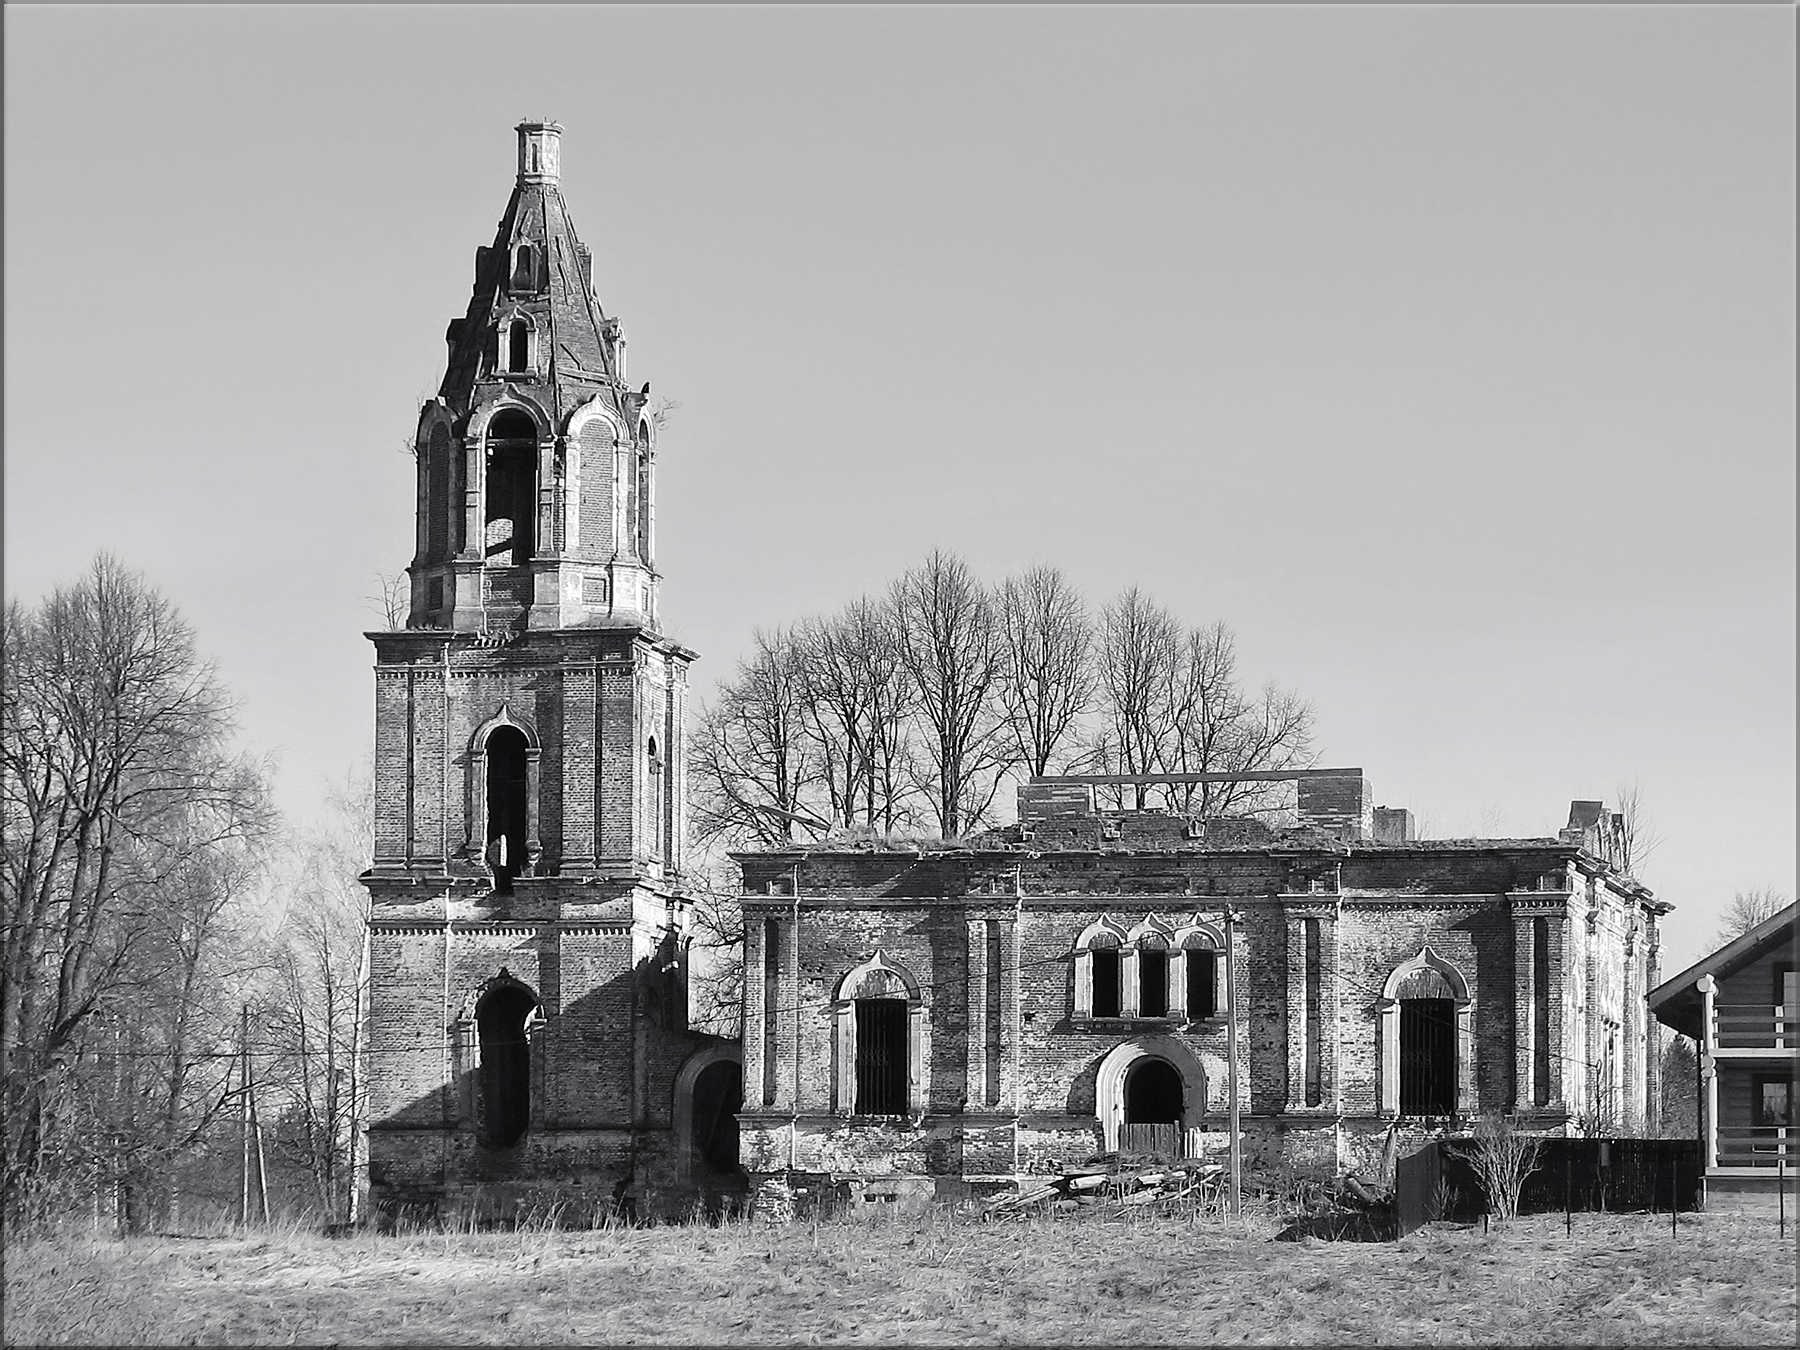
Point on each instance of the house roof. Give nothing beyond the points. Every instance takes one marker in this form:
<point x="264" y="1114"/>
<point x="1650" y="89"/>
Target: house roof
<point x="1676" y="1001"/>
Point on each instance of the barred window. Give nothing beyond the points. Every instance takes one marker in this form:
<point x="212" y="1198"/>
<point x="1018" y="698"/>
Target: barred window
<point x="881" y="1056"/>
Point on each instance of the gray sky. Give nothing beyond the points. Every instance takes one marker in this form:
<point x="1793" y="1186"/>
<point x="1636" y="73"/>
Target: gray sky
<point x="1447" y="354"/>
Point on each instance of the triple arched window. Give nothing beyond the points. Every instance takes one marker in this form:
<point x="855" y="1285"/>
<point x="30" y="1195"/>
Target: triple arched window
<point x="1155" y="970"/>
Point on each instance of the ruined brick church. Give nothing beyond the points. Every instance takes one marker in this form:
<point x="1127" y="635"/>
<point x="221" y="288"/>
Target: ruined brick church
<point x="916" y="1023"/>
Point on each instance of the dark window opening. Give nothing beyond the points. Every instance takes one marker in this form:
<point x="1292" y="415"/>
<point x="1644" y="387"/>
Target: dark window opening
<point x="1153" y="984"/>
<point x="718" y="1095"/>
<point x="881" y="1056"/>
<point x="1771" y="1099"/>
<point x="524" y="268"/>
<point x="1427" y="1056"/>
<point x="518" y="346"/>
<point x="1202" y="984"/>
<point x="1106" y="981"/>
<point x="505" y="1064"/>
<point x="1153" y="1093"/>
<point x="506" y="823"/>
<point x="511" y="489"/>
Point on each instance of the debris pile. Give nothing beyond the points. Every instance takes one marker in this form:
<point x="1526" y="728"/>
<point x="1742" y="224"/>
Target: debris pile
<point x="1112" y="1189"/>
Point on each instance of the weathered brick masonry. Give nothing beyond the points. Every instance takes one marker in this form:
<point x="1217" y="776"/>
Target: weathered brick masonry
<point x="1531" y="955"/>
<point x="915" y="1022"/>
<point x="526" y="1023"/>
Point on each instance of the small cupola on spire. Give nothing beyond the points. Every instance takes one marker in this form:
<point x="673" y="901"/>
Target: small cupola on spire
<point x="540" y="152"/>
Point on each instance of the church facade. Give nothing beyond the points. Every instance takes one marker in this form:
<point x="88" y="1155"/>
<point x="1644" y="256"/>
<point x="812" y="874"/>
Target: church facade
<point x="526" y="1023"/>
<point x="927" y="1023"/>
<point x="916" y="1023"/>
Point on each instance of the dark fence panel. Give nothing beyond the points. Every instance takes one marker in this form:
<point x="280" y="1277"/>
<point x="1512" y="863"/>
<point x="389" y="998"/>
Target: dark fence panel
<point x="1437" y="1182"/>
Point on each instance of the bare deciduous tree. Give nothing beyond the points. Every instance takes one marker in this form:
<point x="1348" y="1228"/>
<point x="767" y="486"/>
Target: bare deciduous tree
<point x="1746" y="910"/>
<point x="951" y="647"/>
<point x="857" y="701"/>
<point x="117" y="786"/>
<point x="1048" y="683"/>
<point x="311" y="1015"/>
<point x="1138" y="653"/>
<point x="392" y="600"/>
<point x="1638" y="838"/>
<point x="754" y="767"/>
<point x="1173" y="704"/>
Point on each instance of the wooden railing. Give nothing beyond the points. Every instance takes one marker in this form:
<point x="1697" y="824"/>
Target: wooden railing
<point x="1759" y="1146"/>
<point x="1755" y="1026"/>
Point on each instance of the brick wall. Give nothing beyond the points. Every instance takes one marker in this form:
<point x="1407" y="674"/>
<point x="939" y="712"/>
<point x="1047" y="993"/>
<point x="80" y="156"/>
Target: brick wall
<point x="1376" y="908"/>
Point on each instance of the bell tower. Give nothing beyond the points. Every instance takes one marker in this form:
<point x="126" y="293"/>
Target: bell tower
<point x="527" y="923"/>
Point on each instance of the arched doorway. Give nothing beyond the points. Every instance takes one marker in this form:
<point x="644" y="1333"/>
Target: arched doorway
<point x="718" y="1094"/>
<point x="1153" y="1109"/>
<point x="505" y="1075"/>
<point x="1150" y="1094"/>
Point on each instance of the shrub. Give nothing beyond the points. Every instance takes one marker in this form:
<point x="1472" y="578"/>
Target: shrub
<point x="1502" y="1157"/>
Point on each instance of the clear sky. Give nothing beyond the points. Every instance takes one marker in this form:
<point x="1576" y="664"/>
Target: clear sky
<point x="1445" y="353"/>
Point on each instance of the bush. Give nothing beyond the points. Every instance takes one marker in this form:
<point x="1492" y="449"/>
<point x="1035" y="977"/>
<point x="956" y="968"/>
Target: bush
<point x="1502" y="1157"/>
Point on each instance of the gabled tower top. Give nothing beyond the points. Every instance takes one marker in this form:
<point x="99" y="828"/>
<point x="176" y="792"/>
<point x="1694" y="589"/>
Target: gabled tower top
<point x="540" y="152"/>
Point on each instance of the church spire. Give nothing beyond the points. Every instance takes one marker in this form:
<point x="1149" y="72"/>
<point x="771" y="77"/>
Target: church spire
<point x="536" y="462"/>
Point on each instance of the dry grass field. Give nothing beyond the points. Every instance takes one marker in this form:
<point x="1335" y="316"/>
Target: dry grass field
<point x="1722" y="1279"/>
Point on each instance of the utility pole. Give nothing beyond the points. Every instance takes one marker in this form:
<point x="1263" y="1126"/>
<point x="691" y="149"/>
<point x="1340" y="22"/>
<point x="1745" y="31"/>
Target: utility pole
<point x="1231" y="1060"/>
<point x="244" y="1116"/>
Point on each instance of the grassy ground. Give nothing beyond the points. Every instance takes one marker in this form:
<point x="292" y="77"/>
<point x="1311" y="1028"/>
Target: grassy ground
<point x="1722" y="1279"/>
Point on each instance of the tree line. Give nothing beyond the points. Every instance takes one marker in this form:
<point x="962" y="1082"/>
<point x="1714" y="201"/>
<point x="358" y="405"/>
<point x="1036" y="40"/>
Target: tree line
<point x="154" y="909"/>
<point x="913" y="709"/>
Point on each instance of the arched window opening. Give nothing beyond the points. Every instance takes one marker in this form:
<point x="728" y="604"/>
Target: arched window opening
<point x="1100" y="970"/>
<point x="518" y="346"/>
<point x="1153" y="979"/>
<point x="642" y="497"/>
<point x="505" y="1064"/>
<point x="1108" y="986"/>
<point x="718" y="1096"/>
<point x="524" y="276"/>
<point x="506" y="806"/>
<point x="881" y="1056"/>
<point x="1427" y="1044"/>
<point x="511" y="489"/>
<point x="1201" y="970"/>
